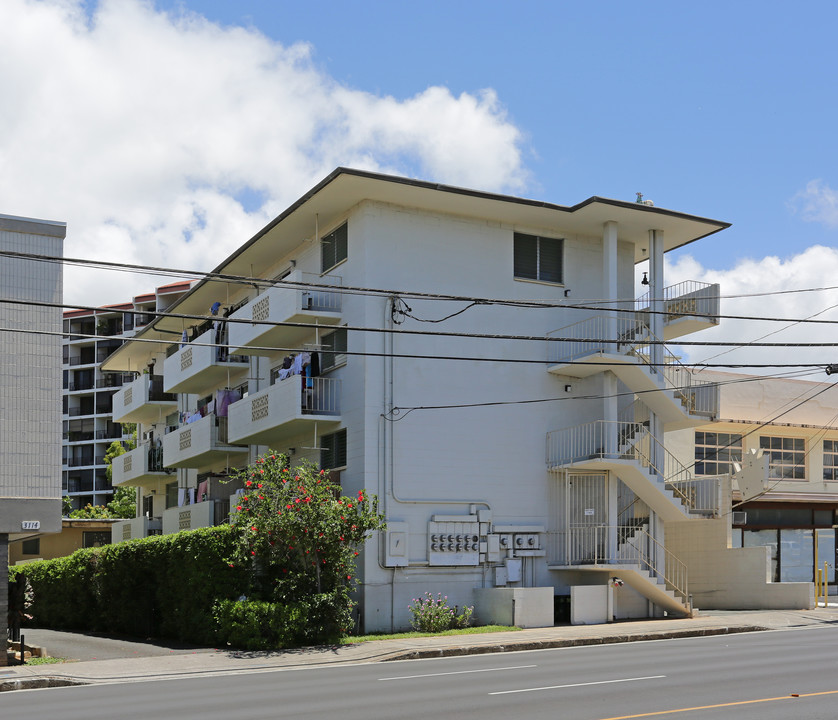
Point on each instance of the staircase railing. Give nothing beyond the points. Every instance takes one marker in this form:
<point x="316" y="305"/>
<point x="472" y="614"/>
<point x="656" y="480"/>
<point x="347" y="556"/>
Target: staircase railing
<point x="690" y="297"/>
<point x="614" y="440"/>
<point x="631" y="336"/>
<point x="599" y="545"/>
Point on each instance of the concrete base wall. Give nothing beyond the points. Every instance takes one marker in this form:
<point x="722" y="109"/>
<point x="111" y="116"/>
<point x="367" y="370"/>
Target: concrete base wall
<point x="4" y="596"/>
<point x="589" y="605"/>
<point x="521" y="607"/>
<point x="725" y="578"/>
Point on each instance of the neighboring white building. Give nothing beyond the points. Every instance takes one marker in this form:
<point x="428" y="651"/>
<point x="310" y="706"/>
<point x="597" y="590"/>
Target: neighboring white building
<point x="30" y="382"/>
<point x="794" y="424"/>
<point x="91" y="336"/>
<point x="398" y="405"/>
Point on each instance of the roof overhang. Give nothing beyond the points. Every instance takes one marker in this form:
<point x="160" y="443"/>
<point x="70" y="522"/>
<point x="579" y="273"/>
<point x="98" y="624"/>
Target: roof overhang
<point x="345" y="188"/>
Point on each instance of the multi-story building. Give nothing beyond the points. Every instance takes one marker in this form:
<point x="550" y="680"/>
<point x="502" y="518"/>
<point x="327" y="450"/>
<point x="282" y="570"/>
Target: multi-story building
<point x="30" y="318"/>
<point x="91" y="336"/>
<point x="426" y="343"/>
<point x="793" y="424"/>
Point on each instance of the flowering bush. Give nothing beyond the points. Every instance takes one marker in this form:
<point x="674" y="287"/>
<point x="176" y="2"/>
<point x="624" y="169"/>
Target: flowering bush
<point x="434" y="614"/>
<point x="300" y="538"/>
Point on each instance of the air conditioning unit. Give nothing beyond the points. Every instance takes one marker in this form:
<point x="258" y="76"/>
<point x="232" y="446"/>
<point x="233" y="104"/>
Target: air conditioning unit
<point x="740" y="518"/>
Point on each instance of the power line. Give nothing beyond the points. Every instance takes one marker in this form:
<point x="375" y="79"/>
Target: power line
<point x="407" y="332"/>
<point x="811" y="366"/>
<point x="593" y="304"/>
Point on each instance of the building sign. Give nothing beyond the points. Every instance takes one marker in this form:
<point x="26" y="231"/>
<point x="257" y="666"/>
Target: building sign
<point x="30" y="525"/>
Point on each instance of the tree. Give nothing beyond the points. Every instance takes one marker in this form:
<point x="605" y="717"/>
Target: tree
<point x="124" y="502"/>
<point x="300" y="536"/>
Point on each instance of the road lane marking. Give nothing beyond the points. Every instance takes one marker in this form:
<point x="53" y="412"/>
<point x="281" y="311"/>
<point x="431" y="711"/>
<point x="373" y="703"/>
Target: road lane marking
<point x="459" y="672"/>
<point x="795" y="696"/>
<point x="558" y="687"/>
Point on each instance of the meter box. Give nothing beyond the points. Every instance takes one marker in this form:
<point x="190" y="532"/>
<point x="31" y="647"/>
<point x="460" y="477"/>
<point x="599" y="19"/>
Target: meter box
<point x="453" y="542"/>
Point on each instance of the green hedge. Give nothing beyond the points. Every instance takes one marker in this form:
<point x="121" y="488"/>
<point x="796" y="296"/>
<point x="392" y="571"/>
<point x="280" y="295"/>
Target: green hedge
<point x="163" y="586"/>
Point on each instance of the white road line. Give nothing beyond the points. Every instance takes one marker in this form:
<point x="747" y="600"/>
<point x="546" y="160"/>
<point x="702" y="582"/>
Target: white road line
<point x="557" y="687"/>
<point x="459" y="672"/>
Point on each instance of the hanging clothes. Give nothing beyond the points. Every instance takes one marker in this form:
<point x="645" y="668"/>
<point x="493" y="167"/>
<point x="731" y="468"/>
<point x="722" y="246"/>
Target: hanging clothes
<point x="223" y="399"/>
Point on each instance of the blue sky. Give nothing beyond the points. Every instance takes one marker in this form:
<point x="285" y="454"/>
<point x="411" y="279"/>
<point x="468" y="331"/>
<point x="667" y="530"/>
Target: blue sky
<point x="166" y="132"/>
<point x="726" y="109"/>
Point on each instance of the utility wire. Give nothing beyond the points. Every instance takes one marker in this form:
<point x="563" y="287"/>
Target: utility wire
<point x="439" y="333"/>
<point x="594" y="304"/>
<point x="62" y="333"/>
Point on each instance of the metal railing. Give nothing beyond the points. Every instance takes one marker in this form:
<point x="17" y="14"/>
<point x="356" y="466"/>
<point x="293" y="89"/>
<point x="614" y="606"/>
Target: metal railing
<point x="622" y="545"/>
<point x="633" y="337"/>
<point x="614" y="440"/>
<point x="690" y="297"/>
<point x="320" y="396"/>
<point x="319" y="298"/>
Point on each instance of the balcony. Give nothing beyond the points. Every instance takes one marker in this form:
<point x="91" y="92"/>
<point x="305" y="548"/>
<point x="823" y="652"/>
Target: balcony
<point x="191" y="517"/>
<point x="136" y="528"/>
<point x="284" y="305"/>
<point x="200" y="365"/>
<point x="143" y="401"/>
<point x="285" y="409"/>
<point x="201" y="445"/>
<point x="141" y="466"/>
<point x="690" y="306"/>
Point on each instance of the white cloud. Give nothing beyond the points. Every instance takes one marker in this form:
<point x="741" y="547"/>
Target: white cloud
<point x="816" y="267"/>
<point x="141" y="128"/>
<point x="817" y="202"/>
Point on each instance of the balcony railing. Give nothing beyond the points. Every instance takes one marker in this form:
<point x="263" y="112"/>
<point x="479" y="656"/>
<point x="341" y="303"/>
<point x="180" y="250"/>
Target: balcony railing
<point x="277" y="305"/>
<point x="139" y="465"/>
<point x="199" y="444"/>
<point x="283" y="409"/>
<point x="688" y="298"/>
<point x="201" y="365"/>
<point x="143" y="400"/>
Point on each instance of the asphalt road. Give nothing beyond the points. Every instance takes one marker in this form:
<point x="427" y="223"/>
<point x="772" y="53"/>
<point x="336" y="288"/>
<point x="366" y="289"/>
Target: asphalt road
<point x="733" y="676"/>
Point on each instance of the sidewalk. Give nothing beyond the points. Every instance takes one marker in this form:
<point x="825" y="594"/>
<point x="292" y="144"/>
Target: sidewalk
<point x="208" y="662"/>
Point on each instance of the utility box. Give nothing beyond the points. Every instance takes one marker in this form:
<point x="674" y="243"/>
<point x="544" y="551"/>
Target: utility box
<point x="396" y="544"/>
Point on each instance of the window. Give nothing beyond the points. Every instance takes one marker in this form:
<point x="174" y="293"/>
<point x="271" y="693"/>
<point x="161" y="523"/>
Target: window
<point x="95" y="538"/>
<point x="31" y="547"/>
<point x="171" y="495"/>
<point x="334" y="350"/>
<point x="830" y="460"/>
<point x="333" y="450"/>
<point x="148" y="506"/>
<point x="538" y="258"/>
<point x="714" y="452"/>
<point x="786" y="457"/>
<point x="333" y="248"/>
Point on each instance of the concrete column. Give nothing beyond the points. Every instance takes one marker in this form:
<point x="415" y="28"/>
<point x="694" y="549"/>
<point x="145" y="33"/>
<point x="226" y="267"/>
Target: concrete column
<point x="656" y="322"/>
<point x="609" y="293"/>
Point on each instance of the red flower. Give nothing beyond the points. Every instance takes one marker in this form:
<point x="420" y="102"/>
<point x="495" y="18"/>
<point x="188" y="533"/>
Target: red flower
<point x="238" y="507"/>
<point x="244" y="497"/>
<point x="297" y="500"/>
<point x="322" y="472"/>
<point x="230" y="564"/>
<point x="259" y="485"/>
<point x="348" y="577"/>
<point x="253" y="527"/>
<point x="249" y="483"/>
<point x="288" y="507"/>
<point x="252" y="552"/>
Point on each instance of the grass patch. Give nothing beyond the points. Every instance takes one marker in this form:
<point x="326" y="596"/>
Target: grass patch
<point x="407" y="635"/>
<point x="45" y="661"/>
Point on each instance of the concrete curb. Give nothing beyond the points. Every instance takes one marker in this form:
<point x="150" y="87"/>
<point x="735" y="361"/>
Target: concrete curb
<point x="568" y="642"/>
<point x="37" y="683"/>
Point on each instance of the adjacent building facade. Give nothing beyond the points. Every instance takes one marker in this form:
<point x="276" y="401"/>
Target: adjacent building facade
<point x="793" y="424"/>
<point x="30" y="372"/>
<point x="478" y="361"/>
<point x="91" y="336"/>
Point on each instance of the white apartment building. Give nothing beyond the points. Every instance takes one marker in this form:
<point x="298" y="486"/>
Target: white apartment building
<point x="91" y="336"/>
<point x="30" y="319"/>
<point x="793" y="423"/>
<point x="514" y="472"/>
